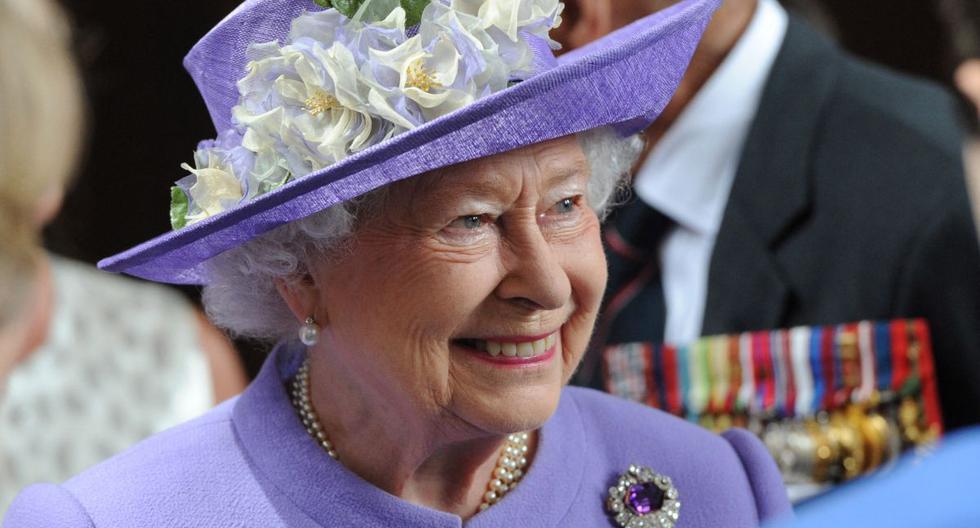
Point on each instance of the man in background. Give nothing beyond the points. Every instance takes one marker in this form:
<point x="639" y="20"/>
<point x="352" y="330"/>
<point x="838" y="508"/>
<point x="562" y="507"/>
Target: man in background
<point x="962" y="21"/>
<point x="788" y="184"/>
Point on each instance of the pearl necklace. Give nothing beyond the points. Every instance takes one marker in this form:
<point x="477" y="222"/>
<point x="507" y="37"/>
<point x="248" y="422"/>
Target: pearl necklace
<point x="506" y="474"/>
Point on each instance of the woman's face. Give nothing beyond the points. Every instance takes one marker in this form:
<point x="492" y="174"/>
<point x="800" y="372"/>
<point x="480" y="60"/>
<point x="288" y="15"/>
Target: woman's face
<point x="472" y="296"/>
<point x="967" y="80"/>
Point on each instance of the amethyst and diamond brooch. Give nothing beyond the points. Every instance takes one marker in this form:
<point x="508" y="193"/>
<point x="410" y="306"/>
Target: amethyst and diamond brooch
<point x="643" y="498"/>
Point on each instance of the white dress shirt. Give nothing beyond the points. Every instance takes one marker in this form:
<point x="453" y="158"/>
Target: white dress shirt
<point x="688" y="174"/>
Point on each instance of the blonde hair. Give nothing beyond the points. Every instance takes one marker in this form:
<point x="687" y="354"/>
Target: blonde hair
<point x="40" y="122"/>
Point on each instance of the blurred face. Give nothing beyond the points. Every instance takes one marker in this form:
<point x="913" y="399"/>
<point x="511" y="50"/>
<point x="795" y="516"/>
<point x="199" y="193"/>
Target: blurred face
<point x="968" y="81"/>
<point x="471" y="298"/>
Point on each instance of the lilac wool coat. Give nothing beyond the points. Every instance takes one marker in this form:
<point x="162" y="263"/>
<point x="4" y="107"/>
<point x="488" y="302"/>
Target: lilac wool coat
<point x="249" y="462"/>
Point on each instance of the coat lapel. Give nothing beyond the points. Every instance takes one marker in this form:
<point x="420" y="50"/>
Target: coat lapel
<point x="747" y="289"/>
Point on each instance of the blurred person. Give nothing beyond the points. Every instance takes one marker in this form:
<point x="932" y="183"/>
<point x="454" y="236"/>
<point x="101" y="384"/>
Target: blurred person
<point x="413" y="215"/>
<point x="962" y="20"/>
<point x="89" y="363"/>
<point x="789" y="184"/>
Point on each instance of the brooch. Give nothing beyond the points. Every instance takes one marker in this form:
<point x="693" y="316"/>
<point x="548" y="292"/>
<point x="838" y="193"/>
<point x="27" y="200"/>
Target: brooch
<point x="642" y="498"/>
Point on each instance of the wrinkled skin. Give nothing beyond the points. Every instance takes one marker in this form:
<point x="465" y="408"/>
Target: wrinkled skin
<point x="500" y="246"/>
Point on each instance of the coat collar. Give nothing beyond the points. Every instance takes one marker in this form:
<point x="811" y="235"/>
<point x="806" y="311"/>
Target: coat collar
<point x="291" y="466"/>
<point x="689" y="171"/>
<point x="772" y="189"/>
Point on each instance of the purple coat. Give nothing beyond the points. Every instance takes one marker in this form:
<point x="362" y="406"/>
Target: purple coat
<point x="250" y="462"/>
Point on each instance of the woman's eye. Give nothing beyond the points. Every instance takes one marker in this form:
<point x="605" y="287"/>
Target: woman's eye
<point x="468" y="229"/>
<point x="565" y="206"/>
<point x="468" y="222"/>
<point x="564" y="214"/>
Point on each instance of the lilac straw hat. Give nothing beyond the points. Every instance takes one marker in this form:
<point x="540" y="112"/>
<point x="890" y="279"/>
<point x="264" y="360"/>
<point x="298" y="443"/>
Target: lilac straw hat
<point x="461" y="80"/>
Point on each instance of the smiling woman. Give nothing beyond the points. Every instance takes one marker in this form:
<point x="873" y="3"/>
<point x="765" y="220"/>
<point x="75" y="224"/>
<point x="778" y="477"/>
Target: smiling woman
<point x="413" y="214"/>
<point x="499" y="254"/>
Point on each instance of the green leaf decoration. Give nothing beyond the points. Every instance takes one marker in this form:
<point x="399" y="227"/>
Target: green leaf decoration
<point x="347" y="7"/>
<point x="178" y="207"/>
<point x="269" y="186"/>
<point x="371" y="11"/>
<point x="323" y="3"/>
<point x="413" y="11"/>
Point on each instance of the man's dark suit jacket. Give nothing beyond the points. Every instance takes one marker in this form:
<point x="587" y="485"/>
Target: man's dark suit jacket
<point x="850" y="204"/>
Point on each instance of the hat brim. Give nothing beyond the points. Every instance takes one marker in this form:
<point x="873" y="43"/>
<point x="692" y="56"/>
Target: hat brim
<point x="624" y="79"/>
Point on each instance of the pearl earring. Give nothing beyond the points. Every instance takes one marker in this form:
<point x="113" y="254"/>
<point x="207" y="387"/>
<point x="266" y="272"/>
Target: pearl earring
<point x="309" y="333"/>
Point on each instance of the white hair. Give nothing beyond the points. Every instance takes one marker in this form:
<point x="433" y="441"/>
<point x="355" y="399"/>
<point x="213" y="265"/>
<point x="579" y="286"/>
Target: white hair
<point x="241" y="293"/>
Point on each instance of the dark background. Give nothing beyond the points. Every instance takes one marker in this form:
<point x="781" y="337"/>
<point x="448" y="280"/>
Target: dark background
<point x="146" y="116"/>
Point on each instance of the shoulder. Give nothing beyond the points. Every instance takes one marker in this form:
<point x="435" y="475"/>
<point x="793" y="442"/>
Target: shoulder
<point x="867" y="93"/>
<point x="734" y="467"/>
<point x="891" y="149"/>
<point x="100" y="309"/>
<point x="884" y="146"/>
<point x="97" y="285"/>
<point x="862" y="111"/>
<point x="166" y="476"/>
<point x="921" y="107"/>
<point x="46" y="505"/>
<point x="609" y="419"/>
<point x="108" y="323"/>
<point x="612" y="416"/>
<point x="170" y="464"/>
<point x="895" y="121"/>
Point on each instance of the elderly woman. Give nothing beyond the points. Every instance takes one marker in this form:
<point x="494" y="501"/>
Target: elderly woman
<point x="407" y="198"/>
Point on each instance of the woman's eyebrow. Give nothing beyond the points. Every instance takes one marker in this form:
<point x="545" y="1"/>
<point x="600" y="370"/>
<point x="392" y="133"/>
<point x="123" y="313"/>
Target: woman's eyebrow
<point x="485" y="181"/>
<point x="449" y="189"/>
<point x="561" y="172"/>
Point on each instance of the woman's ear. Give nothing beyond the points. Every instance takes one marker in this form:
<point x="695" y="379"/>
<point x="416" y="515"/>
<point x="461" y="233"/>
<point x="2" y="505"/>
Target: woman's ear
<point x="586" y="20"/>
<point x="302" y="296"/>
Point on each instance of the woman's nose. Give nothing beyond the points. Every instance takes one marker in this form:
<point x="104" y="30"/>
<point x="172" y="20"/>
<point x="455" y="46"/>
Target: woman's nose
<point x="534" y="275"/>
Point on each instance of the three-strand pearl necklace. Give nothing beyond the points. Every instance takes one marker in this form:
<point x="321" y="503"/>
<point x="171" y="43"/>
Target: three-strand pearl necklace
<point x="506" y="475"/>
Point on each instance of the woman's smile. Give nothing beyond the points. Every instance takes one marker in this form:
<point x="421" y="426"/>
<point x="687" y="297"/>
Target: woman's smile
<point x="512" y="351"/>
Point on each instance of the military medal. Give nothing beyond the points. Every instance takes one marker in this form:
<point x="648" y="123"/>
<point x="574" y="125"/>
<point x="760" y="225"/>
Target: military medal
<point x="746" y="389"/>
<point x="830" y="402"/>
<point x="802" y="374"/>
<point x="927" y="377"/>
<point x="675" y="401"/>
<point x="643" y="498"/>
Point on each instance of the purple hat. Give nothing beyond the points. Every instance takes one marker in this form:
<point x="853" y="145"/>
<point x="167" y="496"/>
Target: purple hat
<point x="314" y="107"/>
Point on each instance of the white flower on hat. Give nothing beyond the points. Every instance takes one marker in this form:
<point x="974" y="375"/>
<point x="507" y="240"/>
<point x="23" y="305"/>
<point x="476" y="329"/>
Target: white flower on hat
<point x="511" y="16"/>
<point x="304" y="103"/>
<point x="214" y="187"/>
<point x="340" y="85"/>
<point x="428" y="76"/>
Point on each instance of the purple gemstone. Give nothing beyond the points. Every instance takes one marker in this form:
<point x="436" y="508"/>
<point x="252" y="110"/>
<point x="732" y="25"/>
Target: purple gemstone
<point x="645" y="498"/>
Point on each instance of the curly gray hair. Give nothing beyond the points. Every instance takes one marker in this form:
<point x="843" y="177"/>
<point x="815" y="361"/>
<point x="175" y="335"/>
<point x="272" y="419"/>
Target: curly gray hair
<point x="241" y="295"/>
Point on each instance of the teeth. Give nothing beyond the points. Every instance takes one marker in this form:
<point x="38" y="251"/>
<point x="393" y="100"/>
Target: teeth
<point x="524" y="350"/>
